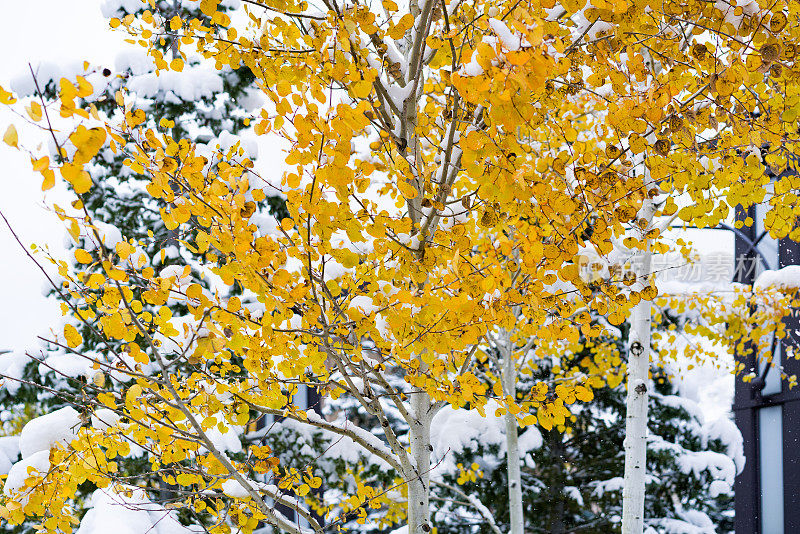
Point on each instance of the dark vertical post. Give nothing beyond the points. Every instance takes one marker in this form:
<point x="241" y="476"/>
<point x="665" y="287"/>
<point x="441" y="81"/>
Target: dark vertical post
<point x="314" y="403"/>
<point x="752" y="398"/>
<point x="746" y="489"/>
<point x="789" y="254"/>
<point x="791" y="459"/>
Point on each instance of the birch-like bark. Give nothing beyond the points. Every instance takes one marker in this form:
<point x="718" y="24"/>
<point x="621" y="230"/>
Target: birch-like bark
<point x="509" y="378"/>
<point x="419" y="514"/>
<point x="633" y="490"/>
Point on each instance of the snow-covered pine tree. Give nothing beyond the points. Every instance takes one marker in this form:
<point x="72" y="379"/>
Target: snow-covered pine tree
<point x="572" y="473"/>
<point x="202" y="103"/>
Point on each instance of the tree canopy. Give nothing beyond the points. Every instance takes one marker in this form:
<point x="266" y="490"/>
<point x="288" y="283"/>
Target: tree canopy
<point x="453" y="170"/>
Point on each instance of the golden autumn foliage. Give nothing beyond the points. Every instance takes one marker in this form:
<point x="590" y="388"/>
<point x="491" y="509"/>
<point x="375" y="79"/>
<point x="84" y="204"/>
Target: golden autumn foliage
<point x="454" y="165"/>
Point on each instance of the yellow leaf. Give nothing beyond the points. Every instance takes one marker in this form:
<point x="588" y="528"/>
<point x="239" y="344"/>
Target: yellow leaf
<point x="293" y="180"/>
<point x="583" y="393"/>
<point x="10" y="138"/>
<point x="108" y="400"/>
<point x="79" y="178"/>
<point x="6" y="97"/>
<point x="88" y="142"/>
<point x="72" y="336"/>
<point x="362" y="89"/>
<point x="528" y="420"/>
<point x="407" y="190"/>
<point x="67" y="91"/>
<point x="348" y="258"/>
<point x="194" y="291"/>
<point x="84" y="87"/>
<point x="133" y="394"/>
<point x="517" y="58"/>
<point x="39" y="165"/>
<point x="82" y="256"/>
<point x="208" y="7"/>
<point x="234" y="304"/>
<point x="116" y="274"/>
<point x="637" y="143"/>
<point x="406" y="21"/>
<point x="49" y="179"/>
<point x="34" y="110"/>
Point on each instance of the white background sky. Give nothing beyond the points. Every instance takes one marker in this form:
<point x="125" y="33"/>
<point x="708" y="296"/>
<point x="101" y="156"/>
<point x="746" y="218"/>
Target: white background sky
<point x="32" y="31"/>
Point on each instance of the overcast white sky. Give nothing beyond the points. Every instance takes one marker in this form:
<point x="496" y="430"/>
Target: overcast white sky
<point x="31" y="31"/>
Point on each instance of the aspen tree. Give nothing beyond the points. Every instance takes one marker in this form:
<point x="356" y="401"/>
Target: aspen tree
<point x="406" y="169"/>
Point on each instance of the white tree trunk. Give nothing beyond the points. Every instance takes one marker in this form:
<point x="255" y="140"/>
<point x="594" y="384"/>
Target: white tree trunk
<point x="512" y="441"/>
<point x="633" y="490"/>
<point x="419" y="521"/>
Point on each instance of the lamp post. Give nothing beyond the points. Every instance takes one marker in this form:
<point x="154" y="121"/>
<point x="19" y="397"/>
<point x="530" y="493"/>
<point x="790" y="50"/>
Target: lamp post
<point x="767" y="412"/>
